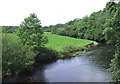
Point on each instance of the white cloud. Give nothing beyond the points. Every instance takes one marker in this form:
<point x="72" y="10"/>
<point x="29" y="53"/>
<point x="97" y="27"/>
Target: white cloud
<point x="49" y="11"/>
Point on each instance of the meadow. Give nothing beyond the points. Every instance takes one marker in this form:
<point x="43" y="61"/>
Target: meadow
<point x="57" y="42"/>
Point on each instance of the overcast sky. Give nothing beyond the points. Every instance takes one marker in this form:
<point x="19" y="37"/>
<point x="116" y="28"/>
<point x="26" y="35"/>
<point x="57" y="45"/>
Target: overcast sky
<point x="50" y="12"/>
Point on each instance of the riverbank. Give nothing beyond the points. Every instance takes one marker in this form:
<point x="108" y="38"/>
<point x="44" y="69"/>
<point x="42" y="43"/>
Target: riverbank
<point x="58" y="47"/>
<point x="68" y="47"/>
<point x="61" y="47"/>
<point x="72" y="51"/>
<point x="76" y="69"/>
<point x="58" y="42"/>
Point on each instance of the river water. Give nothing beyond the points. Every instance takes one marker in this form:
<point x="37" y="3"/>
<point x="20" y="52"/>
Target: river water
<point x="90" y="67"/>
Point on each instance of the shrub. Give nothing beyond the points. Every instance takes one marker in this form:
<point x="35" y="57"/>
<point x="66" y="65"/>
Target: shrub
<point x="45" y="54"/>
<point x="15" y="55"/>
<point x="71" y="48"/>
<point x="70" y="51"/>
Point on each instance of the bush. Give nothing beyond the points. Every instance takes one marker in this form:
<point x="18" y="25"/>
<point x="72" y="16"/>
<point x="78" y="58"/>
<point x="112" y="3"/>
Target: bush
<point x="15" y="55"/>
<point x="70" y="51"/>
<point x="71" y="48"/>
<point x="45" y="54"/>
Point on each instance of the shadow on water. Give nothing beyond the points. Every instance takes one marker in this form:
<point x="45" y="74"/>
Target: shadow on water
<point x="91" y="67"/>
<point x="102" y="55"/>
<point x="36" y="76"/>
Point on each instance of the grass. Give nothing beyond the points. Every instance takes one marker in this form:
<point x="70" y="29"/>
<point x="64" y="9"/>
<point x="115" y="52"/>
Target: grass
<point x="57" y="42"/>
<point x="66" y="47"/>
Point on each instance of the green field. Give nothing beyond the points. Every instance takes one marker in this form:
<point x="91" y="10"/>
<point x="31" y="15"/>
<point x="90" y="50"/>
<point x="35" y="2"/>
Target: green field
<point x="57" y="42"/>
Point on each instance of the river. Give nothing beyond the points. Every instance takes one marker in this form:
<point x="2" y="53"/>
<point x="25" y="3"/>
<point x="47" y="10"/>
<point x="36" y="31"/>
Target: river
<point x="90" y="67"/>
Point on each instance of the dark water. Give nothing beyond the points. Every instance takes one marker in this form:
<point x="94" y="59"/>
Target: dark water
<point x="90" y="67"/>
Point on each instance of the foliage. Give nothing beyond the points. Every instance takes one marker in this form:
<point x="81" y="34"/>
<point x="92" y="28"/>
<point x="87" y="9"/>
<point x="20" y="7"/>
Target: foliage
<point x="46" y="29"/>
<point x="108" y="32"/>
<point x="114" y="26"/>
<point x="52" y="28"/>
<point x="15" y="56"/>
<point x="91" y="27"/>
<point x="45" y="55"/>
<point x="72" y="48"/>
<point x="71" y="51"/>
<point x="9" y="29"/>
<point x="66" y="30"/>
<point x="71" y="31"/>
<point x="30" y="32"/>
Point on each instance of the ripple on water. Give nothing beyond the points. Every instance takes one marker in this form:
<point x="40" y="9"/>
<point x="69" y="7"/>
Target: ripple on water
<point x="85" y="68"/>
<point x="78" y="69"/>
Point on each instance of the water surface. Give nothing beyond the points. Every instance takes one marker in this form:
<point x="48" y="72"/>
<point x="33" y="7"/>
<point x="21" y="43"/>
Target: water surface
<point x="90" y="67"/>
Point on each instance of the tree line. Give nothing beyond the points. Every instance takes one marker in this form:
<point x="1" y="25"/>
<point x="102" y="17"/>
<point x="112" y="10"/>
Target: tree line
<point x="91" y="27"/>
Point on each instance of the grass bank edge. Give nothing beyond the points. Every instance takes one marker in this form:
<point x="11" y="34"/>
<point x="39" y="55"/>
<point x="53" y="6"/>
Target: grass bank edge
<point x="68" y="47"/>
<point x="64" y="46"/>
<point x="46" y="53"/>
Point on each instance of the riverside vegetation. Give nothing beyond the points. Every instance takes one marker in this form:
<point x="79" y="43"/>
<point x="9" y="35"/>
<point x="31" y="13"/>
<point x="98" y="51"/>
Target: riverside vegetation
<point x="17" y="56"/>
<point x="33" y="46"/>
<point x="29" y="46"/>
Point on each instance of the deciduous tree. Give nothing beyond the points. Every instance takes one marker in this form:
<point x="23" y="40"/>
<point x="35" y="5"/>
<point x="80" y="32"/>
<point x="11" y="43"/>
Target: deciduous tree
<point x="30" y="32"/>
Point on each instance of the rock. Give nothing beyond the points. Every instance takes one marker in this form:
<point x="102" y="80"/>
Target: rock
<point x="95" y="43"/>
<point x="92" y="44"/>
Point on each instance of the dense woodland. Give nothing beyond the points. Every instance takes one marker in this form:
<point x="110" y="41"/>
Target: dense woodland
<point x="101" y="26"/>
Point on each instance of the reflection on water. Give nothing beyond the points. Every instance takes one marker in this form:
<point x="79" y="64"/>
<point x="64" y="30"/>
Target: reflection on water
<point x="102" y="56"/>
<point x="91" y="67"/>
<point x="78" y="69"/>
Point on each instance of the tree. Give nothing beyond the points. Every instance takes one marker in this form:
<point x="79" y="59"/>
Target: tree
<point x="30" y="32"/>
<point x="4" y="29"/>
<point x="113" y="26"/>
<point x="15" y="55"/>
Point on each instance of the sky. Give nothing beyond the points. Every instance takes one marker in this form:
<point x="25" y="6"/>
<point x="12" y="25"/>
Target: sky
<point x="50" y="12"/>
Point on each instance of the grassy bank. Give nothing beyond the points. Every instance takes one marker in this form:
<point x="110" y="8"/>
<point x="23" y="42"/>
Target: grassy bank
<point x="16" y="55"/>
<point x="58" y="42"/>
<point x="66" y="46"/>
<point x="63" y="44"/>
